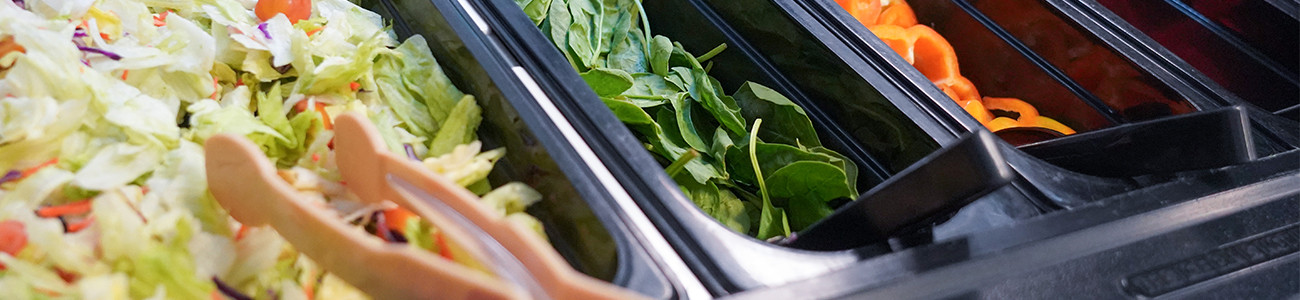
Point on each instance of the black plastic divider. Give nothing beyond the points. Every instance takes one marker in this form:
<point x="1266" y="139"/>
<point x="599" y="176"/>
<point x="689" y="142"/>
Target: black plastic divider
<point x="577" y="211"/>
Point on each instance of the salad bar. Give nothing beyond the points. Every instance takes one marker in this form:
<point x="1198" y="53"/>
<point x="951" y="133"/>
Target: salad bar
<point x="662" y="149"/>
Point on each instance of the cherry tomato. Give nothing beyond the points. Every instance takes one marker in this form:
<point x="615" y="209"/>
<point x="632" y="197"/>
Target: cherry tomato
<point x="12" y="237"/>
<point x="295" y="10"/>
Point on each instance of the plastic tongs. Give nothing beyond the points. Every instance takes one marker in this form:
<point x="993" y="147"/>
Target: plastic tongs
<point x="525" y="266"/>
<point x="940" y="183"/>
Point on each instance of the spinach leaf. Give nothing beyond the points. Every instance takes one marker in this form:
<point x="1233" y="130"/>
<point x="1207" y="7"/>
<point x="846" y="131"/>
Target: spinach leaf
<point x="724" y="109"/>
<point x="793" y="126"/>
<point x="772" y="221"/>
<point x="660" y="50"/>
<point x="580" y="44"/>
<point x="770" y="157"/>
<point x="681" y="58"/>
<point x="681" y="114"/>
<point x="850" y="168"/>
<point x="721" y="142"/>
<point x="628" y="113"/>
<point x="685" y="122"/>
<point x="720" y="204"/>
<point x="670" y="140"/>
<point x="649" y="90"/>
<point x="535" y="9"/>
<point x="629" y="55"/>
<point x="804" y="211"/>
<point x="607" y="82"/>
<point x="809" y="179"/>
<point x="559" y="19"/>
<point x="808" y="186"/>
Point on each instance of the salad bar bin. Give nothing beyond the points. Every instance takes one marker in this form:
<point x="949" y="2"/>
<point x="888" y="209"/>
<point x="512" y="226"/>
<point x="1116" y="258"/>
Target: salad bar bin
<point x="1185" y="139"/>
<point x="580" y="214"/>
<point x="576" y="209"/>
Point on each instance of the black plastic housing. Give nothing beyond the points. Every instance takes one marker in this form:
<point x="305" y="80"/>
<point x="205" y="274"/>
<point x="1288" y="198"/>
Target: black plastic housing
<point x="870" y="105"/>
<point x="577" y="211"/>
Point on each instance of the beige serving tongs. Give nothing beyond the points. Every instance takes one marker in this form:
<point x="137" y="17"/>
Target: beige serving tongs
<point x="245" y="183"/>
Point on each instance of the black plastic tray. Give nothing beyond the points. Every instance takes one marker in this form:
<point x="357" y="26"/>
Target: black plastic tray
<point x="851" y="92"/>
<point x="855" y="108"/>
<point x="577" y="210"/>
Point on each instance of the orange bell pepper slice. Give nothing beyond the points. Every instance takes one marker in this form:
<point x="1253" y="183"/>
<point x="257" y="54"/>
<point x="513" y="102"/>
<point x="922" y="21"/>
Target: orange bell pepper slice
<point x="1001" y="123"/>
<point x="932" y="55"/>
<point x="962" y="88"/>
<point x="1028" y="114"/>
<point x="866" y="11"/>
<point x="935" y="58"/>
<point x="897" y="13"/>
<point x="1052" y="124"/>
<point x="897" y="38"/>
<point x="976" y="109"/>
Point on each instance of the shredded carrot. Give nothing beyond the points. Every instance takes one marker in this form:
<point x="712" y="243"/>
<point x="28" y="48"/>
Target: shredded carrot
<point x="33" y="170"/>
<point x="443" y="249"/>
<point x="397" y="218"/>
<point x="68" y="277"/>
<point x="315" y="157"/>
<point x="243" y="229"/>
<point x="314" y="31"/>
<point x="160" y="20"/>
<point x="301" y="106"/>
<point x="325" y="117"/>
<point x="75" y="208"/>
<point x="78" y="226"/>
<point x="215" y="88"/>
<point x="354" y="86"/>
<point x="124" y="72"/>
<point x="8" y="45"/>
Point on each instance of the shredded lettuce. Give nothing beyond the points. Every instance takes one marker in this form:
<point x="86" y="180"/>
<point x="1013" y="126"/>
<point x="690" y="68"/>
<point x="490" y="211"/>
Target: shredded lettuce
<point x="110" y="102"/>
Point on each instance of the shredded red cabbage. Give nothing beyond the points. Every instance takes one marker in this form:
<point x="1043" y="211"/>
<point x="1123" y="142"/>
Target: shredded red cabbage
<point x="265" y="33"/>
<point x="381" y="226"/>
<point x="103" y="52"/>
<point x="11" y="176"/>
<point x="21" y="4"/>
<point x="229" y="291"/>
<point x="78" y="33"/>
<point x="410" y="152"/>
